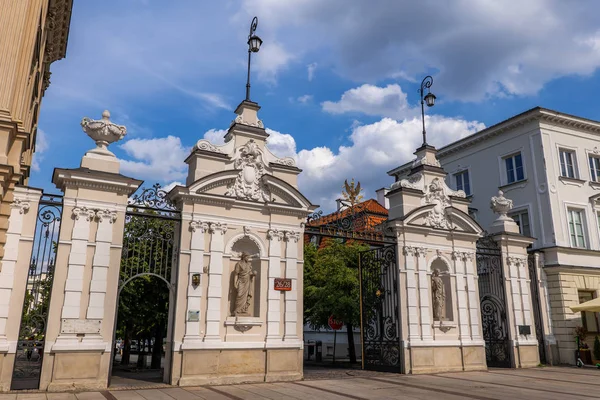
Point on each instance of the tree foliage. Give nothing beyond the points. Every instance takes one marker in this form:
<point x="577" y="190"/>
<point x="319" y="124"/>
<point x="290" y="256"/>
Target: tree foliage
<point x="331" y="285"/>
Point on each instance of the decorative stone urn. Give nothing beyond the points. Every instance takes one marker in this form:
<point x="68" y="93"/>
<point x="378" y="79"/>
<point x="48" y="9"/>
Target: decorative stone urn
<point x="501" y="206"/>
<point x="103" y="132"/>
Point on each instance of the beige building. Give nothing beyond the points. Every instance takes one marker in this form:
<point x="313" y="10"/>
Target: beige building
<point x="33" y="34"/>
<point x="548" y="163"/>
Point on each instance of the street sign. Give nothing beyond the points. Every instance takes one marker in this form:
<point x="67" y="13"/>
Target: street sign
<point x="335" y="324"/>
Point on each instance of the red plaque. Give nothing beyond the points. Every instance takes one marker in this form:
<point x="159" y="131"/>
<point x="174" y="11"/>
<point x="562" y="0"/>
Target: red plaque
<point x="283" y="284"/>
<point x="335" y="324"/>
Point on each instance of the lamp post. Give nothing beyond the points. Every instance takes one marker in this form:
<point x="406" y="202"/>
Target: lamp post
<point x="254" y="43"/>
<point x="428" y="99"/>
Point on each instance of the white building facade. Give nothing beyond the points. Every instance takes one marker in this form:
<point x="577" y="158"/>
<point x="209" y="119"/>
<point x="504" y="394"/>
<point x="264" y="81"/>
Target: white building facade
<point x="548" y="163"/>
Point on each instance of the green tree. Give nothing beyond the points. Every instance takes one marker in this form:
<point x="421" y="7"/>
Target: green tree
<point x="331" y="286"/>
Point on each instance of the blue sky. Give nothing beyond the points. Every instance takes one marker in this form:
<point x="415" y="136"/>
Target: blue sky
<point x="337" y="81"/>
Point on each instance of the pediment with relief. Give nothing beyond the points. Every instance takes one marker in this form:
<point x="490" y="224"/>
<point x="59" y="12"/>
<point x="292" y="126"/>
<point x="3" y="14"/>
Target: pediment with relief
<point x="453" y="219"/>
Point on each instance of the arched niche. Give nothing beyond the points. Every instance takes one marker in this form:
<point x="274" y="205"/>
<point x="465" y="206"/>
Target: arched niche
<point x="441" y="291"/>
<point x="247" y="245"/>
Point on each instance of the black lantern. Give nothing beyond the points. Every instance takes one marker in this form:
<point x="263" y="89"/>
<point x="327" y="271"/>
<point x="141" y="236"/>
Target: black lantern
<point x="428" y="99"/>
<point x="254" y="43"/>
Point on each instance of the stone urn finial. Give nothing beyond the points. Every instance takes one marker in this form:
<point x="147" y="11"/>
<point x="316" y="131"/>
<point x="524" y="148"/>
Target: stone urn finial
<point x="103" y="132"/>
<point x="501" y="206"/>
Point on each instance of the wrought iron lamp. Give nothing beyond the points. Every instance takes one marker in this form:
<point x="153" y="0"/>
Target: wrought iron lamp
<point x="428" y="99"/>
<point x="254" y="43"/>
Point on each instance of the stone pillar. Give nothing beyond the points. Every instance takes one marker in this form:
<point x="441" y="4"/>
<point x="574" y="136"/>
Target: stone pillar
<point x="424" y="295"/>
<point x="461" y="297"/>
<point x="215" y="282"/>
<point x="414" y="331"/>
<point x="273" y="296"/>
<point x="291" y="297"/>
<point x="83" y="305"/>
<point x="473" y="297"/>
<point x="517" y="289"/>
<point x="544" y="299"/>
<point x="194" y="292"/>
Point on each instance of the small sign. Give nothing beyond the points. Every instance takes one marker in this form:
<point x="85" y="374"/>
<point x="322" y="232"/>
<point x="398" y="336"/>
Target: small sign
<point x="334" y="323"/>
<point x="81" y="326"/>
<point x="524" y="330"/>
<point x="193" y="315"/>
<point x="284" y="284"/>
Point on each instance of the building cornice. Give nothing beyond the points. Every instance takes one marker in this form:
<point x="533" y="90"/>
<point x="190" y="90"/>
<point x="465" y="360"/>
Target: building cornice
<point x="58" y="21"/>
<point x="537" y="114"/>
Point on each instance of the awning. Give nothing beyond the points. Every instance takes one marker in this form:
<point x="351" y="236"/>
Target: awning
<point x="592" y="305"/>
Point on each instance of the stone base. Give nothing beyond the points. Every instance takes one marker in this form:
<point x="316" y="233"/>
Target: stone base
<point x="527" y="356"/>
<point x="224" y="366"/>
<point x="426" y="360"/>
<point x="75" y="371"/>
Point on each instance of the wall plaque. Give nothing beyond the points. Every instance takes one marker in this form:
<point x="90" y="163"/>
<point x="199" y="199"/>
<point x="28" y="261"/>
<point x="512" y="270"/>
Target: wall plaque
<point x="193" y="315"/>
<point x="81" y="326"/>
<point x="284" y="284"/>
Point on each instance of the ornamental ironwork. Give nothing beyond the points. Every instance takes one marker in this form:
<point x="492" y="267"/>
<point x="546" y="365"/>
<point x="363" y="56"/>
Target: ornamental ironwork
<point x="154" y="198"/>
<point x="492" y="298"/>
<point x="380" y="326"/>
<point x="32" y="331"/>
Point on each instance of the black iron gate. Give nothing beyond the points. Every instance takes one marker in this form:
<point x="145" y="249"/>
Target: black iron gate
<point x="492" y="297"/>
<point x="32" y="331"/>
<point x="537" y="311"/>
<point x="380" y="325"/>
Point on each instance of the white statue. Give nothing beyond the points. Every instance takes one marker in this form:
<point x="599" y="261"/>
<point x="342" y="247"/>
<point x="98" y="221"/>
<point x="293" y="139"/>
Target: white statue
<point x="439" y="296"/>
<point x="244" y="285"/>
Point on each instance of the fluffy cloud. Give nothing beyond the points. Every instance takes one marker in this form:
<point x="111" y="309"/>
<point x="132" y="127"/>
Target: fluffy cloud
<point x="157" y="159"/>
<point x="281" y="144"/>
<point x="41" y="146"/>
<point x="478" y="48"/>
<point x="311" y="68"/>
<point x="389" y="101"/>
<point x="305" y="98"/>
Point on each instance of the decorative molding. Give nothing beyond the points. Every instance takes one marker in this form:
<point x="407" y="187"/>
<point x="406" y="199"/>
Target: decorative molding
<point x="205" y="145"/>
<point x="421" y="251"/>
<point x="247" y="230"/>
<point x="468" y="255"/>
<point x="217" y="227"/>
<point x="517" y="261"/>
<point x="22" y="205"/>
<point x="58" y="20"/>
<point x="199" y="225"/>
<point x="415" y="181"/>
<point x="240" y="120"/>
<point x="249" y="184"/>
<point x="83" y="212"/>
<point x="109" y="215"/>
<point x="426" y="161"/>
<point x="438" y="194"/>
<point x="408" y="250"/>
<point x="439" y="253"/>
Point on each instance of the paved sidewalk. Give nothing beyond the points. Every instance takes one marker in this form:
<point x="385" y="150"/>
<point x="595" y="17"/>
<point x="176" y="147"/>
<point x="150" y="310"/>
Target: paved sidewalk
<point x="498" y="384"/>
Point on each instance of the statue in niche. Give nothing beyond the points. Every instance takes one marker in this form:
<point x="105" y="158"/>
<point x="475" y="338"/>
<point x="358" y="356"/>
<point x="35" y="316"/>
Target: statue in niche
<point x="244" y="285"/>
<point x="439" y="296"/>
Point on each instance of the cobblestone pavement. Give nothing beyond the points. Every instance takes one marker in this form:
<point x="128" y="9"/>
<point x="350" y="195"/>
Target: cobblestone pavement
<point x="498" y="384"/>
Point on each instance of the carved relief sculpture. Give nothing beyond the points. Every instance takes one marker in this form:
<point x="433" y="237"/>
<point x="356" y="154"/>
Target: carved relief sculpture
<point x="249" y="184"/>
<point x="244" y="285"/>
<point x="439" y="296"/>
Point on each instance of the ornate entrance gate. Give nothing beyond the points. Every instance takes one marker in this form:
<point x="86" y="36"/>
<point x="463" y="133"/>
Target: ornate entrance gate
<point x="492" y="296"/>
<point x="31" y="343"/>
<point x="537" y="312"/>
<point x="380" y="325"/>
<point x="150" y="249"/>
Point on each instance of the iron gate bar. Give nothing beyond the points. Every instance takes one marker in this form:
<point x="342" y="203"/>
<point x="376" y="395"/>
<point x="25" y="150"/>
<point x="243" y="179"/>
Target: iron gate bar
<point x="492" y="297"/>
<point x="380" y="326"/>
<point x="34" y="317"/>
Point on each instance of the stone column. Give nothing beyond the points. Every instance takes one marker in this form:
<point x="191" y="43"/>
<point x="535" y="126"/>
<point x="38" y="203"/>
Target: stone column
<point x="424" y="294"/>
<point x="461" y="296"/>
<point x="273" y="296"/>
<point x="215" y="282"/>
<point x="544" y="299"/>
<point x="414" y="332"/>
<point x="194" y="292"/>
<point x="473" y="297"/>
<point x="291" y="297"/>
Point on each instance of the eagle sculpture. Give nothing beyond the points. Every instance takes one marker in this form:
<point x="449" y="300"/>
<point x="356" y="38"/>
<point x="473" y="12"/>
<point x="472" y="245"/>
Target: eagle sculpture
<point x="351" y="192"/>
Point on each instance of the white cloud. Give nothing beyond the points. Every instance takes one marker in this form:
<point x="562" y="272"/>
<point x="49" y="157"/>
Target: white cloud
<point x="305" y="98"/>
<point x="281" y="144"/>
<point x="389" y="101"/>
<point x="157" y="159"/>
<point x="271" y="59"/>
<point x="311" y="68"/>
<point x="472" y="45"/>
<point x="41" y="146"/>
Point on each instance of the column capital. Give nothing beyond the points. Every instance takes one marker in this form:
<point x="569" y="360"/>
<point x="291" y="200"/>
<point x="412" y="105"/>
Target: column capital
<point x="217" y="227"/>
<point x="421" y="251"/>
<point x="289" y="235"/>
<point x="106" y="215"/>
<point x="274" y="234"/>
<point x="84" y="212"/>
<point x="198" y="226"/>
<point x="408" y="250"/>
<point x="22" y="205"/>
<point x="517" y="261"/>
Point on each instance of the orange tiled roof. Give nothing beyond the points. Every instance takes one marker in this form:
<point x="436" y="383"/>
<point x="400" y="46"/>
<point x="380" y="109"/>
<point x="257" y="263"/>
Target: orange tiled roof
<point x="371" y="210"/>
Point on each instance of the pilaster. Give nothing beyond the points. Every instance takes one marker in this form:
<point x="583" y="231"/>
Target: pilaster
<point x="473" y="296"/>
<point x="424" y="294"/>
<point x="291" y="297"/>
<point x="273" y="296"/>
<point x="414" y="331"/>
<point x="215" y="282"/>
<point x="194" y="291"/>
<point x="461" y="296"/>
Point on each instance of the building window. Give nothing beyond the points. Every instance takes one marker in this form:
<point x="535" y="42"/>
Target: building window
<point x="567" y="163"/>
<point x="462" y="182"/>
<point x="522" y="219"/>
<point x="595" y="168"/>
<point x="588" y="319"/>
<point x="514" y="168"/>
<point x="576" y="228"/>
